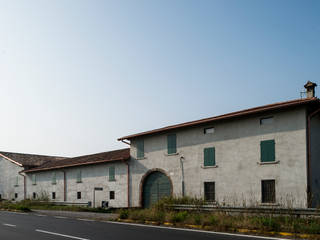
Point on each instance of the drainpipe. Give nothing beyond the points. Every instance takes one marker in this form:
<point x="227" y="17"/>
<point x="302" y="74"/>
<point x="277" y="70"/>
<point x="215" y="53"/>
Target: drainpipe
<point x="128" y="182"/>
<point x="64" y="186"/>
<point x="182" y="174"/>
<point x="309" y="156"/>
<point x="24" y="185"/>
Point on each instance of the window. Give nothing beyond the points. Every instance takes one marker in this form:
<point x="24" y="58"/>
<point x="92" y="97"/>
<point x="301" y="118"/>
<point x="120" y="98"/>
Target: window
<point x="111" y="195"/>
<point x="78" y="195"/>
<point x="172" y="143"/>
<point x="208" y="130"/>
<point x="34" y="195"/>
<point x="53" y="195"/>
<point x="140" y="149"/>
<point x="16" y="182"/>
<point x="79" y="179"/>
<point x="112" y="171"/>
<point x="268" y="191"/>
<point x="267" y="151"/>
<point x="266" y="120"/>
<point x="16" y="195"/>
<point x="54" y="178"/>
<point x="34" y="179"/>
<point x="209" y="191"/>
<point x="209" y="156"/>
<point x="0" y="196"/>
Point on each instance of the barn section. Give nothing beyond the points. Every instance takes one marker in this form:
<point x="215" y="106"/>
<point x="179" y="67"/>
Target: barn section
<point x="96" y="180"/>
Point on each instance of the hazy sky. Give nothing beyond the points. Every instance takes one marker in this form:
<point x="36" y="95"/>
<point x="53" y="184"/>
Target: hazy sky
<point x="76" y="75"/>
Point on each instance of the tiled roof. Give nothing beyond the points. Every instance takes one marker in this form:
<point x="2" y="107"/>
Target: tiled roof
<point x="30" y="160"/>
<point x="275" y="106"/>
<point x="116" y="155"/>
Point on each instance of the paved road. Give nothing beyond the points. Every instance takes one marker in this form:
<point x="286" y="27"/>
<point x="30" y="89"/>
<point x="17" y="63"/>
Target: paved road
<point x="16" y="226"/>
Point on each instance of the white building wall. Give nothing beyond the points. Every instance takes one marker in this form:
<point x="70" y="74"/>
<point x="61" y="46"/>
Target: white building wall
<point x="9" y="172"/>
<point x="92" y="176"/>
<point x="238" y="173"/>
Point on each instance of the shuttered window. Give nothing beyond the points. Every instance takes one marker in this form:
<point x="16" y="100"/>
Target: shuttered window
<point x="268" y="191"/>
<point x="54" y="178"/>
<point x="140" y="149"/>
<point x="209" y="157"/>
<point x="79" y="177"/>
<point x="209" y="191"/>
<point x="111" y="195"/>
<point x="34" y="179"/>
<point x="267" y="150"/>
<point x="17" y="182"/>
<point x="172" y="143"/>
<point x="112" y="171"/>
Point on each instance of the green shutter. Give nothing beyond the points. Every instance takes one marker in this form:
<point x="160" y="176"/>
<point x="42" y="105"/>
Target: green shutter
<point x="267" y="150"/>
<point x="79" y="177"/>
<point x="172" y="143"/>
<point x="54" y="178"/>
<point x="112" y="171"/>
<point x="140" y="149"/>
<point x="34" y="180"/>
<point x="209" y="157"/>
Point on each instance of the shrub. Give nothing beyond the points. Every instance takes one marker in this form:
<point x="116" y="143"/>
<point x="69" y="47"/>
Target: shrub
<point x="179" y="216"/>
<point x="124" y="213"/>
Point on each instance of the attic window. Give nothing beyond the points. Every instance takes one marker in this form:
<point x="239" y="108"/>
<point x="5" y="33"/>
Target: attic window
<point x="266" y="120"/>
<point x="208" y="130"/>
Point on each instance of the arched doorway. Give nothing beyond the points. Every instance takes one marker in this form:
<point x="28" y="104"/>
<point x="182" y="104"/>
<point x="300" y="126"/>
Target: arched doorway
<point x="156" y="185"/>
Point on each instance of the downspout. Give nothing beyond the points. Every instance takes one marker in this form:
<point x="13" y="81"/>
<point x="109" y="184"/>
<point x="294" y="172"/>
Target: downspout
<point x="64" y="186"/>
<point x="128" y="183"/>
<point x="24" y="185"/>
<point x="309" y="156"/>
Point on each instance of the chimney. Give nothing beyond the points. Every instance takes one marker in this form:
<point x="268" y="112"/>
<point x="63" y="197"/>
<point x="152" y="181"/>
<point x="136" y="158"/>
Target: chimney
<point x="310" y="87"/>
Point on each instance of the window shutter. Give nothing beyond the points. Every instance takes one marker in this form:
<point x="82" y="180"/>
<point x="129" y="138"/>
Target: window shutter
<point x="140" y="149"/>
<point x="267" y="150"/>
<point x="34" y="181"/>
<point x="172" y="143"/>
<point x="17" y="182"/>
<point x="209" y="157"/>
<point x="79" y="178"/>
<point x="112" y="173"/>
<point x="54" y="178"/>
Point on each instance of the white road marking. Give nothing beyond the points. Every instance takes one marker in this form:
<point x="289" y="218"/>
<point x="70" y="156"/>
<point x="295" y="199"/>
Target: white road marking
<point x="83" y="219"/>
<point x="18" y="213"/>
<point x="200" y="231"/>
<point x="40" y="215"/>
<point x="9" y="225"/>
<point x="59" y="217"/>
<point x="61" y="235"/>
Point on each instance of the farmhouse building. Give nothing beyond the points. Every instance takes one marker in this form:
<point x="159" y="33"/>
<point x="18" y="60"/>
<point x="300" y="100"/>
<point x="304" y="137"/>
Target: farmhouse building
<point x="263" y="156"/>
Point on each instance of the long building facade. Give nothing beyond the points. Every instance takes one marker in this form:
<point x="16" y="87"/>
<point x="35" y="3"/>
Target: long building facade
<point x="263" y="156"/>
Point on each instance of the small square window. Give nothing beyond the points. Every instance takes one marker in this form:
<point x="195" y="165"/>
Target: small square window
<point x="78" y="195"/>
<point x="268" y="191"/>
<point x="111" y="195"/>
<point x="34" y="195"/>
<point x="208" y="130"/>
<point x="266" y="120"/>
<point x="53" y="195"/>
<point x="16" y="195"/>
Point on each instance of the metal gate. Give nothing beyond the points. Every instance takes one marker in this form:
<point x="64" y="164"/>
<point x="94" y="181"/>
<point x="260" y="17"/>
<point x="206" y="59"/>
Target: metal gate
<point x="156" y="186"/>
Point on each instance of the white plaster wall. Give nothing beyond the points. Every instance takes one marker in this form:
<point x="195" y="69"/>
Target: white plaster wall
<point x="8" y="173"/>
<point x="92" y="176"/>
<point x="238" y="175"/>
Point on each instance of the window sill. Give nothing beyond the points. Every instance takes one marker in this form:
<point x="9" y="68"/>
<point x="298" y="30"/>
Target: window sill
<point x="141" y="158"/>
<point x="269" y="204"/>
<point x="205" y="167"/>
<point x="268" y="163"/>
<point x="171" y="154"/>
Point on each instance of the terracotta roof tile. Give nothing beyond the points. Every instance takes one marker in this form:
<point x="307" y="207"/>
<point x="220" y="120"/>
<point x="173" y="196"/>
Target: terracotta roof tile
<point x="116" y="155"/>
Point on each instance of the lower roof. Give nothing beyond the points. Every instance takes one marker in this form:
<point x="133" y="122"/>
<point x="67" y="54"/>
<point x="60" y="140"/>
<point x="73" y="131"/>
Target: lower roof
<point x="111" y="156"/>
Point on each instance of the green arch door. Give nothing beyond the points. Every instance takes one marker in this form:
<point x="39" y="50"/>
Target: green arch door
<point x="156" y="186"/>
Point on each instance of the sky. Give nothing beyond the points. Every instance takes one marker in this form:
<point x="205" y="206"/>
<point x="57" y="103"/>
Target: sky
<point x="75" y="75"/>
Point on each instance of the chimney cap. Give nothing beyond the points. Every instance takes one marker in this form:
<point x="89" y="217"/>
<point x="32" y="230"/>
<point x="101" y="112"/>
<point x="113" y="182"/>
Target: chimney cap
<point x="310" y="84"/>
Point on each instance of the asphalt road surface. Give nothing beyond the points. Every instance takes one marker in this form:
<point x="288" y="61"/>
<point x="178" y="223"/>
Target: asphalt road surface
<point x="16" y="226"/>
